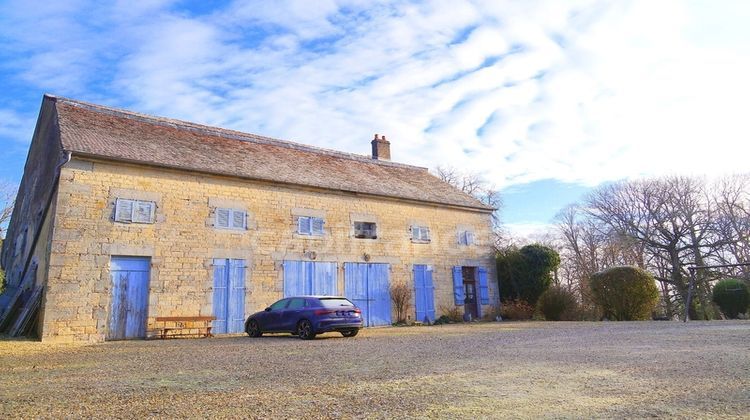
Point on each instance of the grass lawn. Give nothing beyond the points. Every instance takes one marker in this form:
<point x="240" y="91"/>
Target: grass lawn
<point x="518" y="369"/>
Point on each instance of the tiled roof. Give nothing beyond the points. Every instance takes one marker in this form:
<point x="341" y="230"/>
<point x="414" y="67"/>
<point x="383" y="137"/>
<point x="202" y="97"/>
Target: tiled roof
<point x="114" y="134"/>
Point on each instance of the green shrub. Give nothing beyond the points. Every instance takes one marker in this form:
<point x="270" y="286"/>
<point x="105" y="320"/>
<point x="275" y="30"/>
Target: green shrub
<point x="625" y="293"/>
<point x="558" y="304"/>
<point x="527" y="272"/>
<point x="516" y="309"/>
<point x="732" y="296"/>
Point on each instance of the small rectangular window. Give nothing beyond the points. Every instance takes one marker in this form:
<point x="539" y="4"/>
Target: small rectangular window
<point x="420" y="233"/>
<point x="365" y="230"/>
<point x="307" y="225"/>
<point x="466" y="237"/>
<point x="134" y="211"/>
<point x="231" y="219"/>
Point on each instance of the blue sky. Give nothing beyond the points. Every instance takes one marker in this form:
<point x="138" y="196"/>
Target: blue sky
<point x="545" y="98"/>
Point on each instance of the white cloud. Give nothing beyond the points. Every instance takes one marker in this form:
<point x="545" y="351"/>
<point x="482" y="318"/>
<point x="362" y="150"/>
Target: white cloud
<point x="15" y="127"/>
<point x="526" y="233"/>
<point x="522" y="91"/>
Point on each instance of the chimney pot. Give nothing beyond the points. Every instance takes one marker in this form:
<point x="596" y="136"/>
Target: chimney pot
<point x="381" y="148"/>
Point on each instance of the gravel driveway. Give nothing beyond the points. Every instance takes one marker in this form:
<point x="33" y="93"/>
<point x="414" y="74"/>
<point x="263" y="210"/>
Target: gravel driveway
<point x="518" y="369"/>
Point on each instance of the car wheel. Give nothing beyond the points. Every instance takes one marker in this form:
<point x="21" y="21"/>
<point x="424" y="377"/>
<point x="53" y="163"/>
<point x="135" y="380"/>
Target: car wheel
<point x="253" y="329"/>
<point x="350" y="333"/>
<point x="305" y="330"/>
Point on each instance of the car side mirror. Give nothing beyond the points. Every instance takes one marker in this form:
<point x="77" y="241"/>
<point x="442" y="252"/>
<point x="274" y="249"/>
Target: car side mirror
<point x="268" y="309"/>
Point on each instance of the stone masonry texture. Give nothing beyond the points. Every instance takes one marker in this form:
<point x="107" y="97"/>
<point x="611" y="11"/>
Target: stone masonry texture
<point x="183" y="242"/>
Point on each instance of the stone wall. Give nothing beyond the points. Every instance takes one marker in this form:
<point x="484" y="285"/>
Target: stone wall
<point x="24" y="239"/>
<point x="183" y="241"/>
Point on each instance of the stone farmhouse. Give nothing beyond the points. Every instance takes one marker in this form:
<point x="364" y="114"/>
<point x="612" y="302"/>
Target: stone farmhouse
<point x="123" y="217"/>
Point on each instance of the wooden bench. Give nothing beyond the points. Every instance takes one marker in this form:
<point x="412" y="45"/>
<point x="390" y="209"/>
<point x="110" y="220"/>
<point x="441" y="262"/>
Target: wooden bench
<point x="183" y="326"/>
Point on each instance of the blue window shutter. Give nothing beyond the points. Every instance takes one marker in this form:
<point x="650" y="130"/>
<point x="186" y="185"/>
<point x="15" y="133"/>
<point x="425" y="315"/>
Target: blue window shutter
<point x="419" y="288"/>
<point x="124" y="210"/>
<point x="458" y="286"/>
<point x="304" y="226"/>
<point x="469" y="238"/>
<point x="317" y="226"/>
<point x="238" y="219"/>
<point x="222" y="218"/>
<point x="429" y="294"/>
<point x="424" y="296"/>
<point x="484" y="293"/>
<point x="462" y="237"/>
<point x="143" y="211"/>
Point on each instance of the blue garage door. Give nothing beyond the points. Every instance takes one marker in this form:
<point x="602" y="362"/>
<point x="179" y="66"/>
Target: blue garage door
<point x="229" y="296"/>
<point x="367" y="285"/>
<point x="129" y="310"/>
<point x="304" y="278"/>
<point x="424" y="294"/>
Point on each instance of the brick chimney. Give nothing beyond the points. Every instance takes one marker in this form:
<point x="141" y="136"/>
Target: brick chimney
<point x="381" y="148"/>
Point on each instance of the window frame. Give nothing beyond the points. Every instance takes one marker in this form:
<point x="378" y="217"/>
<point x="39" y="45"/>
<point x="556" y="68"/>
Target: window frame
<point x="374" y="230"/>
<point x="466" y="237"/>
<point x="230" y="218"/>
<point x="134" y="204"/>
<point x="419" y="230"/>
<point x="311" y="225"/>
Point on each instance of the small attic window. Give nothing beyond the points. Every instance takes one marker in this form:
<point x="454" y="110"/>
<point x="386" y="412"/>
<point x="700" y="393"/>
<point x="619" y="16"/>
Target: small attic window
<point x="365" y="230"/>
<point x="420" y="234"/>
<point x="134" y="211"/>
<point x="465" y="237"/>
<point x="231" y="219"/>
<point x="308" y="225"/>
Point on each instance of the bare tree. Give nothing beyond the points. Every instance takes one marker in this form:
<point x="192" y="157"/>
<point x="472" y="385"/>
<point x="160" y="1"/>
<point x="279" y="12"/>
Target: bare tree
<point x="400" y="295"/>
<point x="474" y="184"/>
<point x="663" y="225"/>
<point x="732" y="219"/>
<point x="7" y="201"/>
<point x="587" y="246"/>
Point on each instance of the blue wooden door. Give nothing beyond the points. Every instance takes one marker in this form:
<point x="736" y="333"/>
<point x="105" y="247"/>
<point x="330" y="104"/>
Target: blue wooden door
<point x="367" y="286"/>
<point x="304" y="278"/>
<point x="129" y="309"/>
<point x="378" y="285"/>
<point x="424" y="294"/>
<point x="229" y="296"/>
<point x="355" y="287"/>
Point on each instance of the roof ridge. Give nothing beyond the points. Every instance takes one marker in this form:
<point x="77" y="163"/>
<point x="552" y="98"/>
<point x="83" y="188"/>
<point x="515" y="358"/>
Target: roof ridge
<point x="224" y="132"/>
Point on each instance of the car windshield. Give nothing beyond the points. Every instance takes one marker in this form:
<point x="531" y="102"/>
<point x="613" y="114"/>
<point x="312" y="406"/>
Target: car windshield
<point x="335" y="302"/>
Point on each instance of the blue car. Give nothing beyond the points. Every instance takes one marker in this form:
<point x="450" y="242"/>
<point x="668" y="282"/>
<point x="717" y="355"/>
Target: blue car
<point x="307" y="316"/>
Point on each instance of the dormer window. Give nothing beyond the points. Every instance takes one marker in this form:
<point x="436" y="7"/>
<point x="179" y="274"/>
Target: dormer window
<point x="365" y="230"/>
